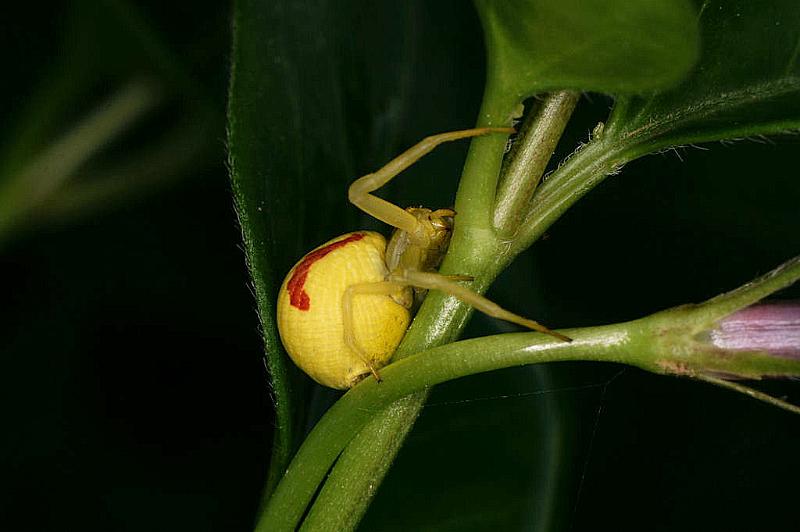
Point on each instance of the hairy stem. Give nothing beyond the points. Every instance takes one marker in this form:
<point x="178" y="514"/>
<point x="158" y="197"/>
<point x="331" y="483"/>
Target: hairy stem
<point x="539" y="138"/>
<point x="570" y="182"/>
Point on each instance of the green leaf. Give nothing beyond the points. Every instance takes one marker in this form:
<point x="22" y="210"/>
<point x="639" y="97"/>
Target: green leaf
<point x="744" y="84"/>
<point x="311" y="108"/>
<point x="627" y="46"/>
<point x="747" y="81"/>
<point x="266" y="170"/>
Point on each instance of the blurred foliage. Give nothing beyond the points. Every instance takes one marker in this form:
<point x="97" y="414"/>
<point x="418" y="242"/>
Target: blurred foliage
<point x="133" y="391"/>
<point x="133" y="386"/>
<point x="111" y="113"/>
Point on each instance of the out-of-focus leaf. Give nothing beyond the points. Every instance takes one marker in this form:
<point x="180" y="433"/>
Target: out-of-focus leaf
<point x="625" y="46"/>
<point x="747" y="81"/>
<point x="104" y="45"/>
<point x="102" y="49"/>
<point x="311" y="108"/>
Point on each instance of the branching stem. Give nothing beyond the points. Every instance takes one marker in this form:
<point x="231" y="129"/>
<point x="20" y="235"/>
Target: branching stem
<point x="412" y="374"/>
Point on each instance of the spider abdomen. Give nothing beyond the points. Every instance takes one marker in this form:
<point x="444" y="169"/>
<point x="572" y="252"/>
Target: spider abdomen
<point x="310" y="318"/>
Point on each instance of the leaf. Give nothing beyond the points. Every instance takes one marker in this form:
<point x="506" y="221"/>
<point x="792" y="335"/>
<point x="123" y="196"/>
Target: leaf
<point x="595" y="45"/>
<point x="310" y="109"/>
<point x="262" y="141"/>
<point x="747" y="81"/>
<point x="743" y="85"/>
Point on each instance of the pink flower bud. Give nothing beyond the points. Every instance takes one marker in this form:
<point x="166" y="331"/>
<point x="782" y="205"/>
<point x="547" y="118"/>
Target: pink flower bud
<point x="772" y="327"/>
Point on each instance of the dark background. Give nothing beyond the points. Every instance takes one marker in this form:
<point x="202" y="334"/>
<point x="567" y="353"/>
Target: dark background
<point x="133" y="394"/>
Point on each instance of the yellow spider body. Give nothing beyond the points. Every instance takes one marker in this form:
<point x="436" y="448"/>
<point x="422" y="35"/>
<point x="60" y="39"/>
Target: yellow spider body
<point x="310" y="318"/>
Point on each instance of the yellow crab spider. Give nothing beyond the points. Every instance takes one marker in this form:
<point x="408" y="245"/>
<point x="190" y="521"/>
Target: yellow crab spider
<point x="345" y="306"/>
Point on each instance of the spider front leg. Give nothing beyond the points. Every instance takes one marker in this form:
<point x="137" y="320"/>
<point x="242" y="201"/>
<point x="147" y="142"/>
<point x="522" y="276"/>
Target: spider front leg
<point x="360" y="191"/>
<point x="435" y="281"/>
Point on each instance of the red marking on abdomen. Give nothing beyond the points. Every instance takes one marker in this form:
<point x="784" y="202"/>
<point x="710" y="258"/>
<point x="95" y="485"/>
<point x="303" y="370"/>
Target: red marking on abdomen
<point x="297" y="296"/>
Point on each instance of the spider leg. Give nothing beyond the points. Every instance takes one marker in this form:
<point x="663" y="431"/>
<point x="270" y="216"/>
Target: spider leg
<point x="435" y="281"/>
<point x="360" y="191"/>
<point x="386" y="288"/>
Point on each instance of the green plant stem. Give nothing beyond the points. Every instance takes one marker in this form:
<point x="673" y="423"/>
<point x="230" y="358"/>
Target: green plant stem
<point x="542" y="131"/>
<point x="391" y="427"/>
<point x="614" y="343"/>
